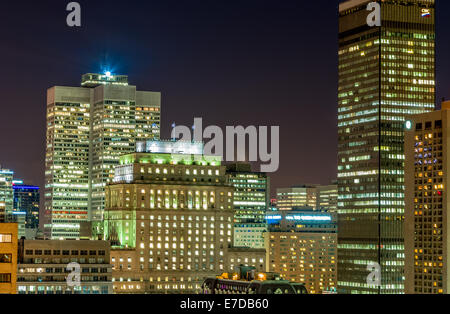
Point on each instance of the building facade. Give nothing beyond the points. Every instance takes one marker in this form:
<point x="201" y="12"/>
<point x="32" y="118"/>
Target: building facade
<point x="314" y="196"/>
<point x="297" y="196"/>
<point x="169" y="217"/>
<point x="8" y="258"/>
<point x="45" y="265"/>
<point x="251" y="201"/>
<point x="385" y="73"/>
<point x="301" y="245"/>
<point x="6" y="194"/>
<point x="26" y="199"/>
<point x="88" y="128"/>
<point x="239" y="256"/>
<point x="426" y="216"/>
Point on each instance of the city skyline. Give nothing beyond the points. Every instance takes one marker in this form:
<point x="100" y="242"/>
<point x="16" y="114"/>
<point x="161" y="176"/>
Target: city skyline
<point x="284" y="61"/>
<point x="225" y="148"/>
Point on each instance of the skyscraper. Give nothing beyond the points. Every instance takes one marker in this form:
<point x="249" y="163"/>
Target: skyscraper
<point x="6" y="194"/>
<point x="297" y="196"/>
<point x="251" y="201"/>
<point x="426" y="212"/>
<point x="313" y="196"/>
<point x="26" y="199"/>
<point x="88" y="128"/>
<point x="385" y="73"/>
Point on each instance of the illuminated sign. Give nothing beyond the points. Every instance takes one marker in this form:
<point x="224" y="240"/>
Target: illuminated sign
<point x="408" y="125"/>
<point x="308" y="218"/>
<point x="426" y="13"/>
<point x="169" y="147"/>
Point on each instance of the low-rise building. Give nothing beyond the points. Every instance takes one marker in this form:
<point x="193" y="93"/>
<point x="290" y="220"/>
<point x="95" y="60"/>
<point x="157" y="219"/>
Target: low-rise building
<point x="8" y="258"/>
<point x="45" y="265"/>
<point x="301" y="245"/>
<point x="246" y="257"/>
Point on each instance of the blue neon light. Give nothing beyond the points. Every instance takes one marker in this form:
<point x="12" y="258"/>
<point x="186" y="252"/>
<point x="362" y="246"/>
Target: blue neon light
<point x="25" y="187"/>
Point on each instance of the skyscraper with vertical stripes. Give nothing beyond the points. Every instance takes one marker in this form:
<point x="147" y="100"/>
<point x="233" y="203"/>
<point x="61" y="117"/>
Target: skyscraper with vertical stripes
<point x="88" y="129"/>
<point x="386" y="73"/>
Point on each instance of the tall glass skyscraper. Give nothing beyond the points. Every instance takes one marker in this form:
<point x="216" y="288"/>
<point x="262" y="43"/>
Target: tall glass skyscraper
<point x="6" y="194"/>
<point x="26" y="199"/>
<point x="385" y="73"/>
<point x="88" y="129"/>
<point x="251" y="202"/>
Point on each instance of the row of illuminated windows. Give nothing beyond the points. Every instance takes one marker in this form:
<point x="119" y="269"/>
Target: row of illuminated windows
<point x="5" y="238"/>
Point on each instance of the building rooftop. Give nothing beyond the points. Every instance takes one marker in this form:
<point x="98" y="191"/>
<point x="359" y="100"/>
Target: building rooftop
<point x="170" y="147"/>
<point x="351" y="4"/>
<point x="97" y="79"/>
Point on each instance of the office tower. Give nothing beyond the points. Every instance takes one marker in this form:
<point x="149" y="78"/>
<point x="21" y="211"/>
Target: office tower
<point x="43" y="267"/>
<point x="169" y="217"/>
<point x="426" y="212"/>
<point x="251" y="201"/>
<point x="301" y="245"/>
<point x="26" y="199"/>
<point x="297" y="196"/>
<point x="385" y="73"/>
<point x="67" y="161"/>
<point x="6" y="194"/>
<point x="327" y="197"/>
<point x="313" y="196"/>
<point x="8" y="258"/>
<point x="88" y="128"/>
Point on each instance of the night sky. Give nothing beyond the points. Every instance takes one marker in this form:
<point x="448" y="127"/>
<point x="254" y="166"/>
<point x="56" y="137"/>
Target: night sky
<point x="234" y="62"/>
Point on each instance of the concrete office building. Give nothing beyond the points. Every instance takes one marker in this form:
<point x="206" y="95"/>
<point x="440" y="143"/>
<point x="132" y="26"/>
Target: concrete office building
<point x="314" y="196"/>
<point x="386" y="73"/>
<point x="301" y="245"/>
<point x="43" y="267"/>
<point x="8" y="258"/>
<point x="251" y="201"/>
<point x="169" y="217"/>
<point x="426" y="215"/>
<point x="88" y="129"/>
<point x="297" y="196"/>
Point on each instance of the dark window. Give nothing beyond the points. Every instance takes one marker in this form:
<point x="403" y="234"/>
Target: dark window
<point x="92" y="252"/>
<point x="66" y="252"/>
<point x="418" y="126"/>
<point x="74" y="252"/>
<point x="29" y="252"/>
<point x="38" y="252"/>
<point x="83" y="252"/>
<point x="102" y="253"/>
<point x="428" y="125"/>
<point x="6" y="258"/>
<point x="56" y="252"/>
<point x="47" y="252"/>
<point x="438" y="124"/>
